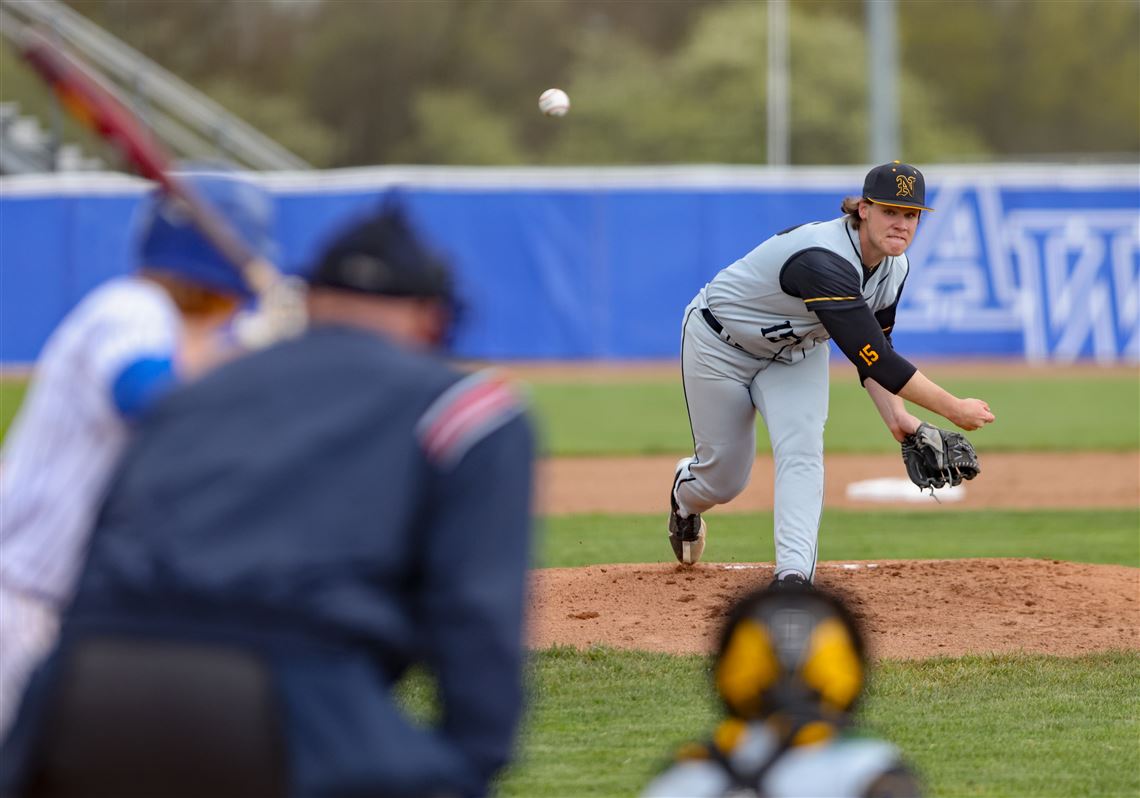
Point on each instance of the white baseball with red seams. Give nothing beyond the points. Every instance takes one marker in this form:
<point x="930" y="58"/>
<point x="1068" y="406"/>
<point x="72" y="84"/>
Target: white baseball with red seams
<point x="554" y="102"/>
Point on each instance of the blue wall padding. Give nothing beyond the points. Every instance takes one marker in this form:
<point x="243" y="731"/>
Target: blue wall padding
<point x="567" y="271"/>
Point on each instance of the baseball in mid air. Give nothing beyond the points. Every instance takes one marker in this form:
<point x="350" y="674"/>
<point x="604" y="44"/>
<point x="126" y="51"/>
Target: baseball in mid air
<point x="554" y="102"/>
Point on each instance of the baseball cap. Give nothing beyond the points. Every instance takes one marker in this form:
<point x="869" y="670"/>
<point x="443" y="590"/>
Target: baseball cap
<point x="382" y="254"/>
<point x="169" y="241"/>
<point x="897" y="184"/>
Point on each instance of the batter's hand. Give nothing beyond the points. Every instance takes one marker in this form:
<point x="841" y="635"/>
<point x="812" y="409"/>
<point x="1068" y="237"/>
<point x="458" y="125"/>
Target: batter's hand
<point x="972" y="414"/>
<point x="280" y="314"/>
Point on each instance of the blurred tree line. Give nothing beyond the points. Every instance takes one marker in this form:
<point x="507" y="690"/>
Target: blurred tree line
<point x="355" y="82"/>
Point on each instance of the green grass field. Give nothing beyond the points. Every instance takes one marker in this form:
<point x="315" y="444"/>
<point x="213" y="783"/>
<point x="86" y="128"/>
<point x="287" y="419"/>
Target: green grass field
<point x="1044" y="414"/>
<point x="11" y="394"/>
<point x="1094" y="536"/>
<point x="602" y="722"/>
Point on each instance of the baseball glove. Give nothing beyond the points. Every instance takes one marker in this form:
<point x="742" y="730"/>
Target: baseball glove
<point x="936" y="457"/>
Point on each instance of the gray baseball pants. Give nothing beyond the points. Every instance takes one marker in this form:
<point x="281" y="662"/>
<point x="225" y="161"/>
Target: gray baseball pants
<point x="724" y="388"/>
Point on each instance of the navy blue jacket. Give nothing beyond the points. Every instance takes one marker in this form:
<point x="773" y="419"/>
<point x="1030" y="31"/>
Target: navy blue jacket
<point x="349" y="508"/>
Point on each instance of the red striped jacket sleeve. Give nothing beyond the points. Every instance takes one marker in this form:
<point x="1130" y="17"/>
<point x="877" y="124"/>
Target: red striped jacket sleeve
<point x="465" y="414"/>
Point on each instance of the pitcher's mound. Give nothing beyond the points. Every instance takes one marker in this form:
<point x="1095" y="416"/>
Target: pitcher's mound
<point x="908" y="609"/>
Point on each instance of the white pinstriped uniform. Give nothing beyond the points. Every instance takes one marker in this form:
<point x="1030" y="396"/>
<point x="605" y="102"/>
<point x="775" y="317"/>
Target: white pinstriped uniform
<point x="58" y="457"/>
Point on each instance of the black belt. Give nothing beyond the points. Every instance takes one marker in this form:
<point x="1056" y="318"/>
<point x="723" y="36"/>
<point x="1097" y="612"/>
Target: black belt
<point x="718" y="328"/>
<point x="710" y="319"/>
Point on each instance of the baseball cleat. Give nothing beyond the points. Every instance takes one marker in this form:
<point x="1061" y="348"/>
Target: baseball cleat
<point x="686" y="535"/>
<point x="791" y="579"/>
<point x="687" y="551"/>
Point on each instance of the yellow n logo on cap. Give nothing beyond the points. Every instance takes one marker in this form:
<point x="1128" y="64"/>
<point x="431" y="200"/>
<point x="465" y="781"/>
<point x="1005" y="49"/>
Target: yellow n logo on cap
<point x="906" y="186"/>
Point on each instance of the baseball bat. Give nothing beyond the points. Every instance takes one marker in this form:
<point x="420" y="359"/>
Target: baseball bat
<point x="95" y="106"/>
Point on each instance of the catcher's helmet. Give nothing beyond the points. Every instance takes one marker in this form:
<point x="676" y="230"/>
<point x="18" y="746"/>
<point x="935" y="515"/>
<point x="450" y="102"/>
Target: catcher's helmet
<point x="167" y="240"/>
<point x="790" y="651"/>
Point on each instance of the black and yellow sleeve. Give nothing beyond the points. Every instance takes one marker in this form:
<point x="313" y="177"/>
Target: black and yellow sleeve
<point x="821" y="279"/>
<point x="829" y="287"/>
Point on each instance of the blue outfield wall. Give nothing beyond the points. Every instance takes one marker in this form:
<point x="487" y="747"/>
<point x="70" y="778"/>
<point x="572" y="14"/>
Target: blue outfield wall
<point x="1035" y="262"/>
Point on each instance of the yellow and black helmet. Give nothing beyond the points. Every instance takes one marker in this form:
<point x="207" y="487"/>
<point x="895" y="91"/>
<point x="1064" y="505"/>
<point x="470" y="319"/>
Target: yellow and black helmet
<point x="790" y="651"/>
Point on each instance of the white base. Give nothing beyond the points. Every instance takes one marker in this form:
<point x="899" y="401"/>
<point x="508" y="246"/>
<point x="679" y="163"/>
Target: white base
<point x="893" y="489"/>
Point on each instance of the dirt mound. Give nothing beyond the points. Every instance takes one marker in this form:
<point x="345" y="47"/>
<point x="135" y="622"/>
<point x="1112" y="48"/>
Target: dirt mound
<point x="909" y="609"/>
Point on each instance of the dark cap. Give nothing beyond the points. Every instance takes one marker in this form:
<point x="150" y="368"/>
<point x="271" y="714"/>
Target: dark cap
<point x="382" y="254"/>
<point x="897" y="184"/>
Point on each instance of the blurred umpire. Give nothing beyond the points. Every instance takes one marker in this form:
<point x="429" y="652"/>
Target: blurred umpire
<point x="283" y="540"/>
<point x="790" y="668"/>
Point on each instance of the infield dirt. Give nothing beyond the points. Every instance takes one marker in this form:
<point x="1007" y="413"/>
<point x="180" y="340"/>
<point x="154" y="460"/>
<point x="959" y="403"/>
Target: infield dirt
<point x="1024" y="481"/>
<point x="908" y="609"/>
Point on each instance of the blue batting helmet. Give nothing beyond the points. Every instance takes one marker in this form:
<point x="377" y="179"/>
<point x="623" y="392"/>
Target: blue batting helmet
<point x="169" y="241"/>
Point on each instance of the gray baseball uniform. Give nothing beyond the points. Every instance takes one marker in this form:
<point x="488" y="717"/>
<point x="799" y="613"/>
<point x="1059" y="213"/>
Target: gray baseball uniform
<point x="754" y="339"/>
